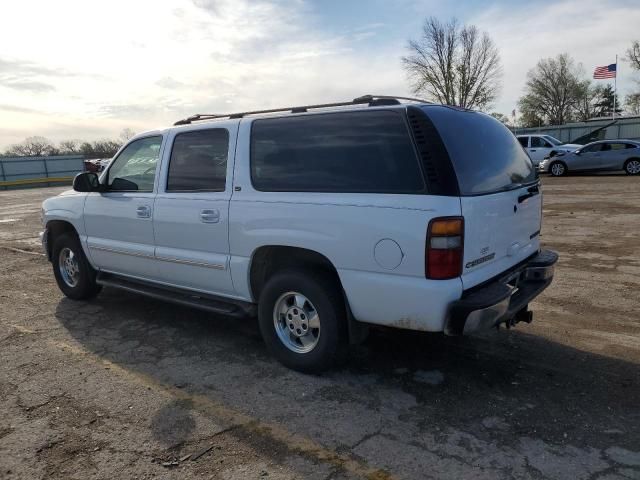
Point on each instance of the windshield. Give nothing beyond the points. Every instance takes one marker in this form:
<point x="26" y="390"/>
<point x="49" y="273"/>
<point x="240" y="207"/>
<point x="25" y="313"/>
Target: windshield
<point x="486" y="156"/>
<point x="553" y="140"/>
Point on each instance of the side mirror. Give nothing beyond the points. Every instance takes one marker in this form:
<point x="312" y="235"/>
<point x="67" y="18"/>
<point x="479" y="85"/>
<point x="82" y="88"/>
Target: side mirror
<point x="86" y="182"/>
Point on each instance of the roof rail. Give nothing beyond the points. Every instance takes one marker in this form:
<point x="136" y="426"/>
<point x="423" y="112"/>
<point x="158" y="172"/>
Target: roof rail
<point x="372" y="100"/>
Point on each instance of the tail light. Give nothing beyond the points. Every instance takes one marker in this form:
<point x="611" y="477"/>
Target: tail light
<point x="445" y="246"/>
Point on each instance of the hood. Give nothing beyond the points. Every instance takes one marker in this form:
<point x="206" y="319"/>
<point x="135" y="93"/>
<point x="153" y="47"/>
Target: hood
<point x="569" y="147"/>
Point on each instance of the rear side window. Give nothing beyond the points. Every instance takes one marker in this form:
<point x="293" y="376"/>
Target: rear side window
<point x="486" y="156"/>
<point x="338" y="152"/>
<point x="524" y="141"/>
<point x="199" y="161"/>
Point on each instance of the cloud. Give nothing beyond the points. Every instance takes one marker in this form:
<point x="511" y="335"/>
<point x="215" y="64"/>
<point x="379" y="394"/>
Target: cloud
<point x="166" y="60"/>
<point x="169" y="82"/>
<point x="24" y="75"/>
<point x="17" y="108"/>
<point x="591" y="31"/>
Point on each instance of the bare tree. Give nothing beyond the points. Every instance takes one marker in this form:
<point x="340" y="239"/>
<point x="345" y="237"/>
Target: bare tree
<point x="501" y="117"/>
<point x="552" y="90"/>
<point x="126" y="134"/>
<point x="454" y="64"/>
<point x="32" y="147"/>
<point x="69" y="147"/>
<point x="632" y="103"/>
<point x="633" y="54"/>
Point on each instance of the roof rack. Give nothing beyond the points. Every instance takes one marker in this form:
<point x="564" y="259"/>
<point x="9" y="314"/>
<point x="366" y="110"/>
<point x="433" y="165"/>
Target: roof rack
<point x="372" y="100"/>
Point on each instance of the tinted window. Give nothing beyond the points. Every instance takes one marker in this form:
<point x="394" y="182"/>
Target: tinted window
<point x="199" y="161"/>
<point x="631" y="145"/>
<point x="620" y="146"/>
<point x="486" y="156"/>
<point x="524" y="141"/>
<point x="592" y="148"/>
<point x="552" y="140"/>
<point x="135" y="167"/>
<point x="337" y="152"/>
<point x="539" y="142"/>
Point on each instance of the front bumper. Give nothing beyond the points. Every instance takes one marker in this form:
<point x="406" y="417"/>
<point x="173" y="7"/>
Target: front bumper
<point x="504" y="300"/>
<point x="44" y="238"/>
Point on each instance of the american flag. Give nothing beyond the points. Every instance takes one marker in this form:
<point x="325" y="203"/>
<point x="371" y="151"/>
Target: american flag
<point x="608" y="71"/>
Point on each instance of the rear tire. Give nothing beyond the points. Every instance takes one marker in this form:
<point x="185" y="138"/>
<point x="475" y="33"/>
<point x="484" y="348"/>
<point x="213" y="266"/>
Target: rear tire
<point x="75" y="277"/>
<point x="557" y="169"/>
<point x="632" y="166"/>
<point x="303" y="320"/>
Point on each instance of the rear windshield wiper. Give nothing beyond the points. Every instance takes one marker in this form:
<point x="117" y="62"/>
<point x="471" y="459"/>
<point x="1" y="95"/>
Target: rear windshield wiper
<point x="532" y="191"/>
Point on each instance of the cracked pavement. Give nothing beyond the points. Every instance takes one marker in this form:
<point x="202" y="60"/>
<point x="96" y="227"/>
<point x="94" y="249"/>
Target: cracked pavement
<point x="128" y="387"/>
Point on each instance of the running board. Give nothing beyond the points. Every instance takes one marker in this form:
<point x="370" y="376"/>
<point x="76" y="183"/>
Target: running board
<point x="202" y="301"/>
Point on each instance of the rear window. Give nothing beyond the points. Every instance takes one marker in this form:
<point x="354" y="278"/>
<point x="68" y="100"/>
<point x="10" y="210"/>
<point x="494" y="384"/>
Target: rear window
<point x="199" y="161"/>
<point x="338" y="152"/>
<point x="486" y="156"/>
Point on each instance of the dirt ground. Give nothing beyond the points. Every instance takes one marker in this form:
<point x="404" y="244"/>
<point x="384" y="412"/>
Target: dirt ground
<point x="126" y="387"/>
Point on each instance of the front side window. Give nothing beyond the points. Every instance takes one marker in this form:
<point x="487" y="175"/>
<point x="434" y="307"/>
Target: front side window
<point x="592" y="148"/>
<point x="199" y="161"/>
<point x="552" y="140"/>
<point x="539" y="142"/>
<point x="135" y="168"/>
<point x="353" y="152"/>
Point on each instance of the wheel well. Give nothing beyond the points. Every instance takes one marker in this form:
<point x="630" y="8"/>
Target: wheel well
<point x="55" y="228"/>
<point x="629" y="159"/>
<point x="268" y="260"/>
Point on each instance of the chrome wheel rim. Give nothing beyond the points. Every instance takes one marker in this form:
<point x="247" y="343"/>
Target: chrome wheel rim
<point x="633" y="167"/>
<point x="68" y="266"/>
<point x="297" y="322"/>
<point x="557" y="169"/>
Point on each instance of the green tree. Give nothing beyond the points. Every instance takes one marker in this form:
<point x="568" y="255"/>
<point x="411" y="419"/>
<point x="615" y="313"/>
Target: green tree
<point x="632" y="103"/>
<point x="501" y="117"/>
<point x="552" y="90"/>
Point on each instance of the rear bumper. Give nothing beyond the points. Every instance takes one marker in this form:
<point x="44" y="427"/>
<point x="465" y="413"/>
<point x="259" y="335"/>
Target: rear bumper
<point x="504" y="300"/>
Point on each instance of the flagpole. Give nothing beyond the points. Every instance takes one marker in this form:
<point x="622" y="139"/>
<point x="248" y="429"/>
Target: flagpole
<point x="615" y="89"/>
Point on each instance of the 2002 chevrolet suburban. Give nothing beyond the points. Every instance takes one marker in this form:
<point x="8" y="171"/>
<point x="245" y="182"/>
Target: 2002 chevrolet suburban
<point x="319" y="219"/>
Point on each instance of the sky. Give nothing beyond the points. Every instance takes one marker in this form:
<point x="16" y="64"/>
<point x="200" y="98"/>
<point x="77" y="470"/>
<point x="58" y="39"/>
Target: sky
<point x="87" y="69"/>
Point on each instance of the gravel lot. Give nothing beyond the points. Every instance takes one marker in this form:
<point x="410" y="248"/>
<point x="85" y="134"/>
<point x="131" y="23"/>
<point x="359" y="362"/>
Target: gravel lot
<point x="126" y="387"/>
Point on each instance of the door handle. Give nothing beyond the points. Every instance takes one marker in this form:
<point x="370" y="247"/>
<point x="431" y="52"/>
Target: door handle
<point x="143" y="211"/>
<point x="532" y="150"/>
<point x="209" y="216"/>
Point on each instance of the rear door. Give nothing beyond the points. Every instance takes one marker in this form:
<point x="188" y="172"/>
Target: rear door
<point x="614" y="158"/>
<point x="499" y="192"/>
<point x="191" y="221"/>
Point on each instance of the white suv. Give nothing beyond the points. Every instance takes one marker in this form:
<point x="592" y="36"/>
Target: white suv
<point x="540" y="147"/>
<point x="320" y="219"/>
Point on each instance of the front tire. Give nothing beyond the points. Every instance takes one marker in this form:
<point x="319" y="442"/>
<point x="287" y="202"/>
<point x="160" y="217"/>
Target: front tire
<point x="632" y="166"/>
<point x="557" y="169"/>
<point x="303" y="320"/>
<point x="75" y="277"/>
